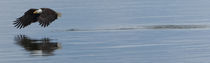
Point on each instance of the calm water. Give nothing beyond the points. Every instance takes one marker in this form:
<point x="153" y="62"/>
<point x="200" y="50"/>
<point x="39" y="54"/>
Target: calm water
<point x="108" y="31"/>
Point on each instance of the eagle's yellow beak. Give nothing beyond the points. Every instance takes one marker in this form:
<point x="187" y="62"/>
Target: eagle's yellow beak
<point x="59" y="14"/>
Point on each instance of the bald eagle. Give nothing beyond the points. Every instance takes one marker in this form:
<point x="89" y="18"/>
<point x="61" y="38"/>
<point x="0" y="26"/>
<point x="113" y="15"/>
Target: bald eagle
<point x="44" y="16"/>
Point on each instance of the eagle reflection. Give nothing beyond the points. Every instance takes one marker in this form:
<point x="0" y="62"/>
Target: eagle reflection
<point x="42" y="46"/>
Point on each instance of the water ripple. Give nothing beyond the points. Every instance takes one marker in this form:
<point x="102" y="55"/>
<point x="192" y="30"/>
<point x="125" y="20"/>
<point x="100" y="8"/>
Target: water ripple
<point x="147" y="27"/>
<point x="130" y="46"/>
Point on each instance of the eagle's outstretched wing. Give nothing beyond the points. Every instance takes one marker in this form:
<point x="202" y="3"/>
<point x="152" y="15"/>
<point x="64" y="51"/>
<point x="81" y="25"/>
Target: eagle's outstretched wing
<point x="47" y="16"/>
<point x="26" y="19"/>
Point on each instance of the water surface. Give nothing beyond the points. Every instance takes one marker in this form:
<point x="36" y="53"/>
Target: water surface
<point x="108" y="31"/>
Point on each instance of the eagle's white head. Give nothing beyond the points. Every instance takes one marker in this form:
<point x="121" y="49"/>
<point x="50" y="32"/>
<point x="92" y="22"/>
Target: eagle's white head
<point x="38" y="11"/>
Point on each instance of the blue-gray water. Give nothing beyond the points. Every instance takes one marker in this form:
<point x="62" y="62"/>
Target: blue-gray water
<point x="108" y="31"/>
